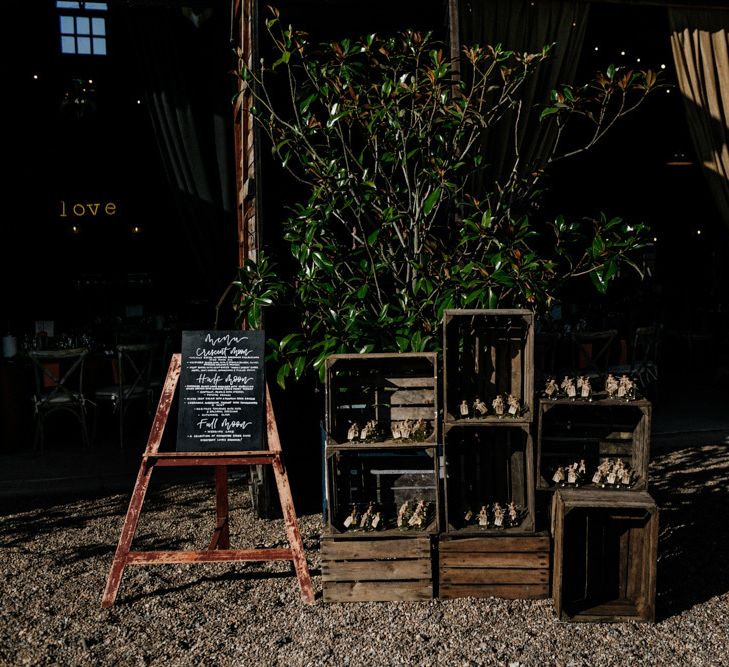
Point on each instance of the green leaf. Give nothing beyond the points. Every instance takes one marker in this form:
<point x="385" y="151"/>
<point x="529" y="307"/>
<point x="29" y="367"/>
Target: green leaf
<point x="548" y="112"/>
<point x="306" y="103"/>
<point x="282" y="374"/>
<point x="431" y="200"/>
<point x="299" y="365"/>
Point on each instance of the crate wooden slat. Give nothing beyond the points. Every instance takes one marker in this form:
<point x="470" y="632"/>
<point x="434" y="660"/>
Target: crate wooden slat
<point x="386" y="476"/>
<point x="605" y="556"/>
<point x="510" y="567"/>
<point x="385" y="387"/>
<point x="488" y="465"/>
<point x="485" y="353"/>
<point x="376" y="569"/>
<point x="569" y="430"/>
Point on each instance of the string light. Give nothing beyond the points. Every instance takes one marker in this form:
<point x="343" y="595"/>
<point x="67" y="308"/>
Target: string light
<point x="622" y="53"/>
<point x="637" y="60"/>
<point x="136" y="229"/>
<point x="663" y="66"/>
<point x="596" y="48"/>
<point x="35" y="76"/>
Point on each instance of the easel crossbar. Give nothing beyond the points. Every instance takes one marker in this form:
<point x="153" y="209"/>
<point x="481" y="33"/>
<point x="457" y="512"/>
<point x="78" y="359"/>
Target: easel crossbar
<point x="207" y="556"/>
<point x="171" y="462"/>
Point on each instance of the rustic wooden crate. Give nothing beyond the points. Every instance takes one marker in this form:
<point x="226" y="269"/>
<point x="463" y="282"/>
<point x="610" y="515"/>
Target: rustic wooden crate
<point x="570" y="430"/>
<point x="485" y="353"/>
<point x="605" y="552"/>
<point x="387" y="388"/>
<point x="376" y="569"/>
<point x="505" y="566"/>
<point x="485" y="465"/>
<point x="387" y="477"/>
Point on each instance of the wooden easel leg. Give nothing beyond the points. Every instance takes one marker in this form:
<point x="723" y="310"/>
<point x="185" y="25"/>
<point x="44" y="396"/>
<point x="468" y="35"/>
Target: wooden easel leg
<point x="292" y="531"/>
<point x="127" y="535"/>
<point x="221" y="536"/>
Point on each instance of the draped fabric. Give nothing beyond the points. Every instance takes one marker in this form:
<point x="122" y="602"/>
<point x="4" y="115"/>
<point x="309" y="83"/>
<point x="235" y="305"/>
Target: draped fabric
<point x="183" y="65"/>
<point x="700" y="43"/>
<point x="526" y="26"/>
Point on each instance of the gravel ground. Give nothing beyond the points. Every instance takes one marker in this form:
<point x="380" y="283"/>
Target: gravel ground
<point x="55" y="557"/>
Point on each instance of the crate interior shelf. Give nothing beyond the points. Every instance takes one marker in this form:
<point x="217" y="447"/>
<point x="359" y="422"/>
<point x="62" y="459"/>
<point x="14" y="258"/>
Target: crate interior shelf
<point x="595" y="435"/>
<point x="376" y="400"/>
<point x="487" y="467"/>
<point x="488" y="355"/>
<point x="605" y="551"/>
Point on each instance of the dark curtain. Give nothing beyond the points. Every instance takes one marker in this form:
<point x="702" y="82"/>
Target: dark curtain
<point x="700" y="42"/>
<point x="184" y="61"/>
<point x="526" y="26"/>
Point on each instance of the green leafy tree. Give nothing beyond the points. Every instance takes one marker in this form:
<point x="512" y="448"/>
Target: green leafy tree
<point x="396" y="225"/>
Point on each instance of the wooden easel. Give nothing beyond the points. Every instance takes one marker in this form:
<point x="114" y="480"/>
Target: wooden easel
<point x="219" y="548"/>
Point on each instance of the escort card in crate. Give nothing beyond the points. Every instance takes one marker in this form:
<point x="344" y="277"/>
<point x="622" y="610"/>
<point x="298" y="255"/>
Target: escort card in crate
<point x="387" y="399"/>
<point x="488" y="366"/>
<point x="601" y="444"/>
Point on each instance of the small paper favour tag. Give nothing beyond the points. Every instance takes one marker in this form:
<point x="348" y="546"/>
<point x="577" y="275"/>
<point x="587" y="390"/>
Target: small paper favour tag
<point x="498" y="521"/>
<point x="571" y="391"/>
<point x="512" y="409"/>
<point x="348" y="521"/>
<point x="585" y="391"/>
<point x="596" y="478"/>
<point x="376" y="521"/>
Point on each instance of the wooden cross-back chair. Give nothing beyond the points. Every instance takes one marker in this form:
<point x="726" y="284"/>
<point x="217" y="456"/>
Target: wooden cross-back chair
<point x="133" y="364"/>
<point x="643" y="365"/>
<point x="59" y="377"/>
<point x="591" y="351"/>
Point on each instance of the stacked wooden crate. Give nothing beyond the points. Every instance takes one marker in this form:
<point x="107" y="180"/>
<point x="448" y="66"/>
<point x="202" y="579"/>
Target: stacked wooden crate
<point x="605" y="530"/>
<point x="488" y="355"/>
<point x="605" y="550"/>
<point x="391" y="469"/>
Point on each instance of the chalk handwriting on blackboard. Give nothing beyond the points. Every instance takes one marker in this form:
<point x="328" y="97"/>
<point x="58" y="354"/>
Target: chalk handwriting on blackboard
<point x="222" y="391"/>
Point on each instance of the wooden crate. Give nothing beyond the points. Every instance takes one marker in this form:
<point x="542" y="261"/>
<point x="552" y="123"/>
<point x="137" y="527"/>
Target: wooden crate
<point x="486" y="465"/>
<point x="386" y="477"/>
<point x="605" y="552"/>
<point x="487" y="353"/>
<point x="387" y="388"/>
<point x="376" y="569"/>
<point x="513" y="566"/>
<point x="594" y="431"/>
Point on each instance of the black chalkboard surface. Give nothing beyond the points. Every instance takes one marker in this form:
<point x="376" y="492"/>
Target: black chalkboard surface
<point x="222" y="392"/>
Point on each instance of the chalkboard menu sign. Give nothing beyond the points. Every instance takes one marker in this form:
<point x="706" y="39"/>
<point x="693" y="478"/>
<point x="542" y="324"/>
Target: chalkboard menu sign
<point x="222" y="392"/>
